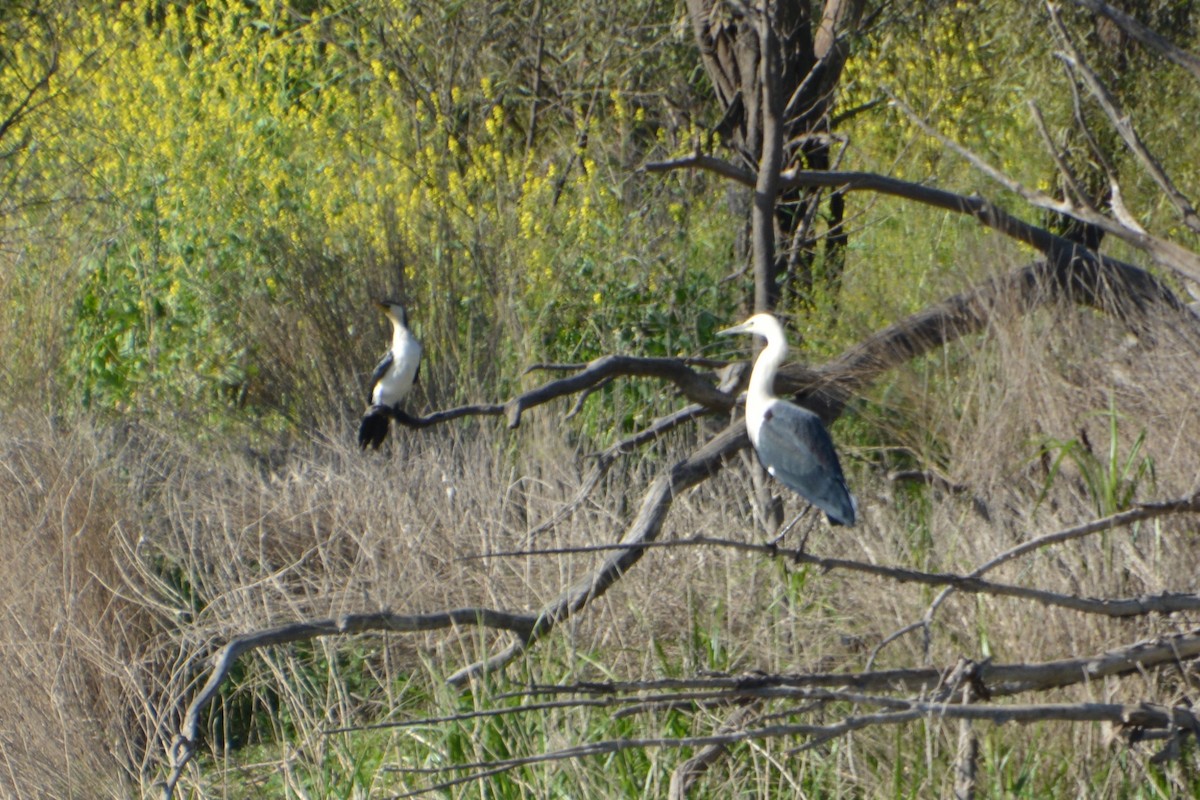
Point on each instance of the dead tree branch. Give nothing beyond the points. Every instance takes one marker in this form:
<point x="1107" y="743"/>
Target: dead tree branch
<point x="1122" y="124"/>
<point x="1131" y="719"/>
<point x="1166" y="603"/>
<point x="696" y="386"/>
<point x="1075" y="272"/>
<point x="184" y="745"/>
<point x="1166" y="253"/>
<point x="1149" y="38"/>
<point x="1108" y="606"/>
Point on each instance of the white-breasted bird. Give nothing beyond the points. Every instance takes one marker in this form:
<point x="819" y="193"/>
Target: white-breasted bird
<point x="791" y="441"/>
<point x="393" y="379"/>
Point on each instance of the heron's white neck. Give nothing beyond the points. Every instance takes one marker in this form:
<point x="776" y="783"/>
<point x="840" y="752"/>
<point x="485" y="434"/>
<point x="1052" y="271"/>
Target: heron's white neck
<point x="761" y="391"/>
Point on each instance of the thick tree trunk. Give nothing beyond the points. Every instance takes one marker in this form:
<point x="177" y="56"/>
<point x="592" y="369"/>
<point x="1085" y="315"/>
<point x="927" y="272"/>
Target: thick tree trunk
<point x="794" y="115"/>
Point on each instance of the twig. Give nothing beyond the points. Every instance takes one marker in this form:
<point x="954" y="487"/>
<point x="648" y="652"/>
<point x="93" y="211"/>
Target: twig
<point x="584" y="395"/>
<point x="1064" y="169"/>
<point x="705" y="162"/>
<point x="550" y="367"/>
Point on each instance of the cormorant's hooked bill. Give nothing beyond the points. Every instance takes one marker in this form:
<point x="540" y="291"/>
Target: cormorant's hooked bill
<point x="393" y="379"/>
<point x="791" y="441"/>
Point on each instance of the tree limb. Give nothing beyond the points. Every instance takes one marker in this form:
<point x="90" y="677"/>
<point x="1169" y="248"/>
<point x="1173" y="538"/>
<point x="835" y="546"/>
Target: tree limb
<point x="1147" y="36"/>
<point x="1166" y="253"/>
<point x="1165" y="603"/>
<point x="1124" y="125"/>
<point x="1132" y="718"/>
<point x="993" y="680"/>
<point x="184" y="745"/>
<point x="696" y="386"/>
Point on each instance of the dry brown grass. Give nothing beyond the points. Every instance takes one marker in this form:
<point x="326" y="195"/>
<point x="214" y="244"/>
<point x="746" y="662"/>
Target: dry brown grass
<point x="131" y="554"/>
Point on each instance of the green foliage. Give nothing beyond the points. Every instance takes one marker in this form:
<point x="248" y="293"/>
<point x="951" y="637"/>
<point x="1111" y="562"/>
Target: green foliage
<point x="226" y="144"/>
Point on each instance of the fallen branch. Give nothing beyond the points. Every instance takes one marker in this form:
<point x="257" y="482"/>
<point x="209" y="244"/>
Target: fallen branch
<point x="183" y="747"/>
<point x="991" y="680"/>
<point x="1131" y="718"/>
<point x="1165" y="603"/>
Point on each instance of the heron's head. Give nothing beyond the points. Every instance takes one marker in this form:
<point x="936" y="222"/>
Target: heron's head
<point x="763" y="325"/>
<point x="395" y="312"/>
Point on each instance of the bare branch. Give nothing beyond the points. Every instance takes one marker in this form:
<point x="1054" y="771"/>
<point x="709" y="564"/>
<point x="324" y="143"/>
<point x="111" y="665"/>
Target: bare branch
<point x="1129" y="717"/>
<point x="184" y="745"/>
<point x="993" y="680"/>
<point x="708" y="163"/>
<point x="1123" y="124"/>
<point x="1164" y="252"/>
<point x="1165" y="603"/>
<point x="1060" y="161"/>
<point x="584" y="395"/>
<point x="1079" y="274"/>
<point x="695" y="386"/>
<point x="1147" y="36"/>
<point x="1107" y="607"/>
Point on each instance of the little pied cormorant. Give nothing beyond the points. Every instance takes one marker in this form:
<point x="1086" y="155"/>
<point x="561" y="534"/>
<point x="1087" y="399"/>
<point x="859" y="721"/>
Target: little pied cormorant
<point x="393" y="379"/>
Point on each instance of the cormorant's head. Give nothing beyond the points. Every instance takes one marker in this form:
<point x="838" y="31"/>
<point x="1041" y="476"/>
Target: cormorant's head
<point x="395" y="312"/>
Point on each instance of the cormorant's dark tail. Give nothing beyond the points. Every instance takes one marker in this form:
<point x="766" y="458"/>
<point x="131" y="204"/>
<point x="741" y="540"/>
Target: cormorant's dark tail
<point x="373" y="429"/>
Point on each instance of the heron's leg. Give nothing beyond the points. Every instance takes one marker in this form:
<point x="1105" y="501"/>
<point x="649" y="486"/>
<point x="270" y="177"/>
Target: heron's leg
<point x="789" y="526"/>
<point x="804" y="539"/>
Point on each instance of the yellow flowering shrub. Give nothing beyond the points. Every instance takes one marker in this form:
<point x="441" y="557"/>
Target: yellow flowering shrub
<point x="222" y="139"/>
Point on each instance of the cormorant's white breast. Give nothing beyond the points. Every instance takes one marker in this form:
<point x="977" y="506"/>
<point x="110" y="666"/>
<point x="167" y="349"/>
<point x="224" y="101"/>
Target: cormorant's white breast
<point x="791" y="442"/>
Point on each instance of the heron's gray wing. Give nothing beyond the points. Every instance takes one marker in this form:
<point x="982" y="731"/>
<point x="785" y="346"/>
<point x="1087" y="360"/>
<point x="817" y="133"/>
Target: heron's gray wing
<point x="379" y="372"/>
<point x="796" y="449"/>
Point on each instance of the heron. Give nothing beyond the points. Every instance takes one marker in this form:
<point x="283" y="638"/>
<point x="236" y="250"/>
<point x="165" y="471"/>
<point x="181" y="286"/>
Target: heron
<point x="393" y="379"/>
<point x="791" y="442"/>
